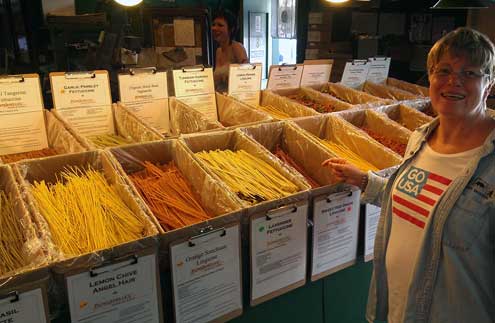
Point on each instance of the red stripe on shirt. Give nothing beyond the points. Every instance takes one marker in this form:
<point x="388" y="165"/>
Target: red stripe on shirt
<point x="425" y="199"/>
<point x="411" y="206"/>
<point x="433" y="189"/>
<point x="440" y="179"/>
<point x="408" y="218"/>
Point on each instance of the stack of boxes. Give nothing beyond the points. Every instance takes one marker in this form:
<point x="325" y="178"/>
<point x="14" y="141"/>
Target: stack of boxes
<point x="321" y="46"/>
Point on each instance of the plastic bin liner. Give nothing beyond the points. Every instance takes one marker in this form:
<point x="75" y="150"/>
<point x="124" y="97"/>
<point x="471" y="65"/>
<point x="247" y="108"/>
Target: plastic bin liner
<point x="184" y="119"/>
<point x="236" y="140"/>
<point x="423" y="106"/>
<point x="60" y="137"/>
<point x="378" y="123"/>
<point x="232" y="113"/>
<point x="406" y="116"/>
<point x="127" y="125"/>
<point x="410" y="87"/>
<point x="304" y="151"/>
<point x="213" y="195"/>
<point x="353" y="96"/>
<point x="285" y="105"/>
<point x="317" y="96"/>
<point x="388" y="92"/>
<point x="336" y="129"/>
<point x="49" y="169"/>
<point x="34" y="248"/>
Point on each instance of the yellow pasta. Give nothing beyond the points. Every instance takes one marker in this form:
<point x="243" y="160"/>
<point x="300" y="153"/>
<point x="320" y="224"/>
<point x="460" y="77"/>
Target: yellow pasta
<point x="11" y="237"/>
<point x="107" y="140"/>
<point x="85" y="213"/>
<point x="344" y="152"/>
<point x="251" y="178"/>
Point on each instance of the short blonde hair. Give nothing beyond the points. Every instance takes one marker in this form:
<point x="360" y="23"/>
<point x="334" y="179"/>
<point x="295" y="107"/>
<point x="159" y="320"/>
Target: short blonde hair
<point x="467" y="42"/>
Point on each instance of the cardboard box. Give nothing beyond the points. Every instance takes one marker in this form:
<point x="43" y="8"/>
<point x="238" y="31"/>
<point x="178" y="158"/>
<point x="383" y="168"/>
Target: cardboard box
<point x="406" y="116"/>
<point x="336" y="129"/>
<point x="296" y="144"/>
<point x="61" y="137"/>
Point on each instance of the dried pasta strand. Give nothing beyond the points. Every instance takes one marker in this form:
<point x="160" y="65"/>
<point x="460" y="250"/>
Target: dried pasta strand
<point x="168" y="195"/>
<point x="85" y="213"/>
<point x="11" y="236"/>
<point x="344" y="152"/>
<point x="108" y="140"/>
<point x="251" y="178"/>
<point x="12" y="158"/>
<point x="282" y="155"/>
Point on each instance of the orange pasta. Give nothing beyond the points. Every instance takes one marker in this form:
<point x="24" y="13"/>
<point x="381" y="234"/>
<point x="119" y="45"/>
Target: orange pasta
<point x="169" y="196"/>
<point x="12" y="158"/>
<point x="289" y="161"/>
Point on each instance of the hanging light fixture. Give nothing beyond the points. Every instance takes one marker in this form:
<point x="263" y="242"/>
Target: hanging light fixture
<point x="462" y="4"/>
<point x="336" y="1"/>
<point x="128" y="3"/>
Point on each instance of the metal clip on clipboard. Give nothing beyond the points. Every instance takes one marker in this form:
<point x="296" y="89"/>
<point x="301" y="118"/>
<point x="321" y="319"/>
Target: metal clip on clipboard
<point x="132" y="258"/>
<point x="287" y="66"/>
<point x="195" y="68"/>
<point x="292" y="208"/>
<point x="11" y="78"/>
<point x="142" y="70"/>
<point x="206" y="231"/>
<point x="14" y="296"/>
<point x="339" y="195"/>
<point x="80" y="75"/>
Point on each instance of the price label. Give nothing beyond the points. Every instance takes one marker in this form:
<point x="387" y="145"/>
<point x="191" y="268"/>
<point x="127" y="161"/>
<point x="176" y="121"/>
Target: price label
<point x="278" y="251"/>
<point x="335" y="232"/>
<point x="316" y="72"/>
<point x="84" y="99"/>
<point x="284" y="77"/>
<point x="372" y="216"/>
<point x="206" y="276"/>
<point x="245" y="82"/>
<point x="379" y="67"/>
<point x="195" y="87"/>
<point x="23" y="307"/>
<point x="146" y="94"/>
<point x="355" y="74"/>
<point x="121" y="292"/>
<point x="22" y="122"/>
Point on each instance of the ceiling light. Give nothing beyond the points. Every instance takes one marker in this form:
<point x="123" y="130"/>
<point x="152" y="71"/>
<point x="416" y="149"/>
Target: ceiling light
<point x="128" y="3"/>
<point x="337" y="1"/>
<point x="462" y="4"/>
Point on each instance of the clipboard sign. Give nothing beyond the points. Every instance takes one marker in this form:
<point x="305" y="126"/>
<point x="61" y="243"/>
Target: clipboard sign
<point x="145" y="92"/>
<point x="316" y="72"/>
<point x="126" y="288"/>
<point x="371" y="219"/>
<point x="284" y="77"/>
<point x="206" y="275"/>
<point x="24" y="306"/>
<point x="278" y="251"/>
<point x="195" y="87"/>
<point x="84" y="100"/>
<point x="355" y="74"/>
<point x="335" y="232"/>
<point x="22" y="121"/>
<point x="379" y="68"/>
<point x="245" y="82"/>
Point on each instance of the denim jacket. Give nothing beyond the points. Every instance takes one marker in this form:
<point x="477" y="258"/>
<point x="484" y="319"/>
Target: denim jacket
<point x="454" y="277"/>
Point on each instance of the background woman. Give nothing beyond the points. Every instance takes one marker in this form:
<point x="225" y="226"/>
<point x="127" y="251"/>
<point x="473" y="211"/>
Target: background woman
<point x="229" y="51"/>
<point x="434" y="248"/>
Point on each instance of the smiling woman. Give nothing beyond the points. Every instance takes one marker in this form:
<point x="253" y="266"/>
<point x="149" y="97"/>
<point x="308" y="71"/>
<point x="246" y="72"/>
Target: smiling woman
<point x="433" y="257"/>
<point x="229" y="51"/>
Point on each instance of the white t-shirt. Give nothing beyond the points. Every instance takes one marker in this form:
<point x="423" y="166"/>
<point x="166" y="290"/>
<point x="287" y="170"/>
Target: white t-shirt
<point x="414" y="196"/>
